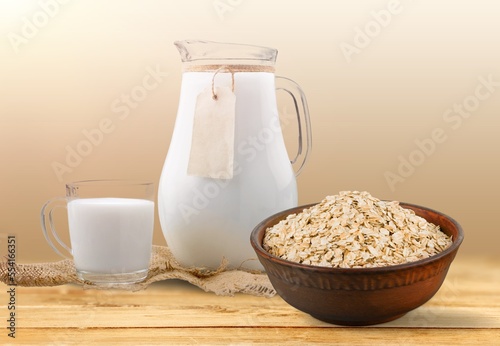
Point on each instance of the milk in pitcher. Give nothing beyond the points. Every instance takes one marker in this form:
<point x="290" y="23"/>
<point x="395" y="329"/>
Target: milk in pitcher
<point x="205" y="220"/>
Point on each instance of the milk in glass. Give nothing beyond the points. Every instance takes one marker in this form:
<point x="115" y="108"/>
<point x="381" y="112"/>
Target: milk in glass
<point x="111" y="235"/>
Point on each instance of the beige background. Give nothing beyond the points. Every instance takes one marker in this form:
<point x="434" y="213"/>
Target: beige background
<point x="365" y="113"/>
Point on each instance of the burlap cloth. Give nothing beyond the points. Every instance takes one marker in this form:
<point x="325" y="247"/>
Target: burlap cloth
<point x="162" y="267"/>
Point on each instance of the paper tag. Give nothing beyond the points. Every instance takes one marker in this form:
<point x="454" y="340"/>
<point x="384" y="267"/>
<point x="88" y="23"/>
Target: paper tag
<point x="212" y="146"/>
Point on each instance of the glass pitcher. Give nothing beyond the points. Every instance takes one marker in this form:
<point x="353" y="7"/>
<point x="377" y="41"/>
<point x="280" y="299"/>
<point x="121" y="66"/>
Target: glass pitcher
<point x="207" y="219"/>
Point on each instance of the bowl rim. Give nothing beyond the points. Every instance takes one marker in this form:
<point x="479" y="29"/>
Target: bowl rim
<point x="257" y="245"/>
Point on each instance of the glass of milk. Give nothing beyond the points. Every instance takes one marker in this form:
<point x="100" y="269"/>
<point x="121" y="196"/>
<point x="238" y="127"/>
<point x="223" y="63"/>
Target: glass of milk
<point x="110" y="227"/>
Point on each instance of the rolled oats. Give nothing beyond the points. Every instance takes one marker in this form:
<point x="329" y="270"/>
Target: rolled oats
<point x="355" y="230"/>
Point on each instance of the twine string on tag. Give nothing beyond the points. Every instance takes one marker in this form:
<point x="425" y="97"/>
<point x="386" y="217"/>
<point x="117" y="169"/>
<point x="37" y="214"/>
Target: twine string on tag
<point x="214" y="95"/>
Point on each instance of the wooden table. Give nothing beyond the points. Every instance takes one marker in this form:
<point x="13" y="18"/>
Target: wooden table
<point x="466" y="310"/>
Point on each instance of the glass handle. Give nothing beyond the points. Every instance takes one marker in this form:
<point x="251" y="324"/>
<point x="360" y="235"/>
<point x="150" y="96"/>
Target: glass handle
<point x="303" y="120"/>
<point x="47" y="221"/>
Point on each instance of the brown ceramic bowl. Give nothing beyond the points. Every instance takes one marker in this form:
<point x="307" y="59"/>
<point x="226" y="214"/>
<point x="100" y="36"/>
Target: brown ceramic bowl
<point x="359" y="296"/>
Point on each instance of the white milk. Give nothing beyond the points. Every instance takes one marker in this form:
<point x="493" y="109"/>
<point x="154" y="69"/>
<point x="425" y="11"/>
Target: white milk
<point x="111" y="235"/>
<point x="204" y="220"/>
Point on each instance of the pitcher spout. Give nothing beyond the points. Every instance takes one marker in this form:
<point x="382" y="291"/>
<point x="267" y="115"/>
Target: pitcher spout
<point x="218" y="53"/>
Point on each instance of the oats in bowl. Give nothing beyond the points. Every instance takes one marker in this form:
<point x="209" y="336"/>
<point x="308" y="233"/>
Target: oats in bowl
<point x="355" y="230"/>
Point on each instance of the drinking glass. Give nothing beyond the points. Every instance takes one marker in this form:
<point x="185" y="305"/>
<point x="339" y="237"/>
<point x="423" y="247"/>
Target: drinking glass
<point x="110" y="228"/>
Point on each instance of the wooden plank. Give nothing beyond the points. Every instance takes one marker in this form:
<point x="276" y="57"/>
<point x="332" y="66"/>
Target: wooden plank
<point x="257" y="336"/>
<point x="458" y="304"/>
<point x="231" y="316"/>
<point x="467" y="308"/>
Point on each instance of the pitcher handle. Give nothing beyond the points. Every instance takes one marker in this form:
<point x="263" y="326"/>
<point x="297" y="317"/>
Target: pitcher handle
<point x="46" y="215"/>
<point x="303" y="120"/>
